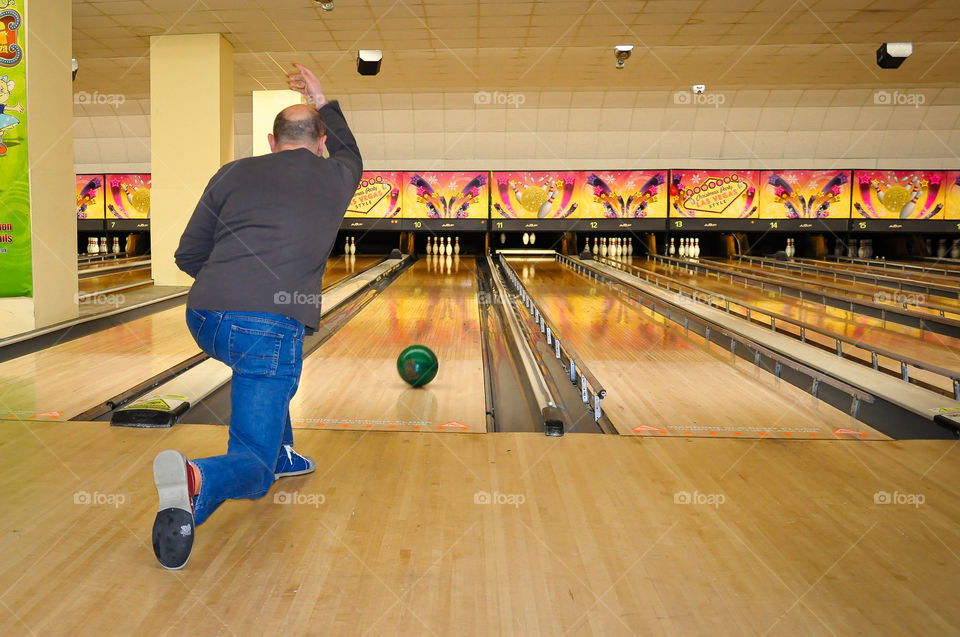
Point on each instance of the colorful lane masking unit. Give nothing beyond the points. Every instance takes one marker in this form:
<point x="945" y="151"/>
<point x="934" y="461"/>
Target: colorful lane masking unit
<point x="951" y="208"/>
<point x="377" y="202"/>
<point x="714" y="194"/>
<point x="623" y="194"/>
<point x="90" y="200"/>
<point x="127" y="196"/>
<point x="899" y="194"/>
<point x="439" y="200"/>
<point x="805" y="194"/>
<point x="16" y="262"/>
<point x="535" y="194"/>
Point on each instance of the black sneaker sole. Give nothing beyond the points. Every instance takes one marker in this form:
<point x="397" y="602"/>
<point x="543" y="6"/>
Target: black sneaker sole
<point x="173" y="528"/>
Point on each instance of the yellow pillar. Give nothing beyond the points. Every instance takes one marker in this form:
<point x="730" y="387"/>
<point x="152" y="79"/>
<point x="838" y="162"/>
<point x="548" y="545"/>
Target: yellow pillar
<point x="266" y="105"/>
<point x="191" y="135"/>
<point x="49" y="133"/>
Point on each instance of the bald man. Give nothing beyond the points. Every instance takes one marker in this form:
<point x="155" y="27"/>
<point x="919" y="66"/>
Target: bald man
<point x="257" y="246"/>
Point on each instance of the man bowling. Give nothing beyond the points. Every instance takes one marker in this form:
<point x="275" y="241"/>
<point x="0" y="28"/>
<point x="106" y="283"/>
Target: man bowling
<point x="257" y="246"/>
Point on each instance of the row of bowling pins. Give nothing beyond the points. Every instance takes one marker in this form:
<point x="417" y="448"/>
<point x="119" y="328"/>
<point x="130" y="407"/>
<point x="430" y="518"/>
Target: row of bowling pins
<point x="350" y="246"/>
<point x="689" y="248"/>
<point x="863" y="250"/>
<point x="612" y="247"/>
<point x="437" y="246"/>
<point x="790" y="250"/>
<point x="942" y="248"/>
<point x="100" y="247"/>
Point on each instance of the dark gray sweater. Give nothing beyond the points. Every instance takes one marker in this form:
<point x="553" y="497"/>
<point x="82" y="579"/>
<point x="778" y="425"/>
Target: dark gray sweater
<point x="259" y="239"/>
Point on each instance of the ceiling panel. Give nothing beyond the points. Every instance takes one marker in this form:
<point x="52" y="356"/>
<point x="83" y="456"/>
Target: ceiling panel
<point x="542" y="45"/>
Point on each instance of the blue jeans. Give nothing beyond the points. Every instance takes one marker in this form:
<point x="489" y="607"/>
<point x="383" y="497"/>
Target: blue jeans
<point x="265" y="353"/>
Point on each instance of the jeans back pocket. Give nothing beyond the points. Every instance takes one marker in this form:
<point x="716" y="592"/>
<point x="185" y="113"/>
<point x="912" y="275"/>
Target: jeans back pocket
<point x="255" y="352"/>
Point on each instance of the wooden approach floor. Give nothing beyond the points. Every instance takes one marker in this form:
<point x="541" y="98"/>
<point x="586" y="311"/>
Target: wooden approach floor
<point x="583" y="535"/>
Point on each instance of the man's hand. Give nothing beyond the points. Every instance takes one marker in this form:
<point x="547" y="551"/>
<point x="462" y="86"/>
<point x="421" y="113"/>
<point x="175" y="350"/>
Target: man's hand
<point x="303" y="81"/>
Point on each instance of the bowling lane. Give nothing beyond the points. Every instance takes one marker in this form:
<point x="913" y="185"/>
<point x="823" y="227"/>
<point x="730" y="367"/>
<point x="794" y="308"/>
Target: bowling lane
<point x="660" y="380"/>
<point x="114" y="280"/>
<point x="59" y="382"/>
<point x="62" y="381"/>
<point x="351" y="381"/>
<point x="937" y="349"/>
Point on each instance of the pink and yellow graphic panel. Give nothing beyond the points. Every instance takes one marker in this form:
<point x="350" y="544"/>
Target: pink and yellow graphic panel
<point x="536" y="194"/>
<point x="377" y="196"/>
<point x="951" y="207"/>
<point x="899" y="194"/>
<point x="90" y="197"/>
<point x="805" y="194"/>
<point x="128" y="196"/>
<point x="446" y="195"/>
<point x="716" y="194"/>
<point x="623" y="194"/>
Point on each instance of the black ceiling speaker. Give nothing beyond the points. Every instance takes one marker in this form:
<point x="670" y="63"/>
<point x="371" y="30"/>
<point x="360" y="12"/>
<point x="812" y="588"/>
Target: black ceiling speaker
<point x="891" y="55"/>
<point x="368" y="61"/>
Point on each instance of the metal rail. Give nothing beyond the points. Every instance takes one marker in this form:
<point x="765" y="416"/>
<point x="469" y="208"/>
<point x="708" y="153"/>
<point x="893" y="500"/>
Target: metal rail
<point x="751" y="312"/>
<point x="591" y="391"/>
<point x="910" y="318"/>
<point x="880" y="280"/>
<point x="682" y="317"/>
<point x="894" y="265"/>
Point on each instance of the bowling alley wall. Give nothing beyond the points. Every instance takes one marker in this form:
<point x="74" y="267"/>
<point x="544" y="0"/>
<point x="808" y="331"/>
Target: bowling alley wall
<point x="755" y="129"/>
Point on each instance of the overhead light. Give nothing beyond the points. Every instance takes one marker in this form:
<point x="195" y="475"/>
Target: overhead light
<point x="326" y="5"/>
<point x="368" y="61"/>
<point x="74" y="67"/>
<point x="622" y="53"/>
<point x="891" y="55"/>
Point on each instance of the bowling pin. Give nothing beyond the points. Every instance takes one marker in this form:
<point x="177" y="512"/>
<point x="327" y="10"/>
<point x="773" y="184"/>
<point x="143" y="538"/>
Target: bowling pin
<point x="346" y="245"/>
<point x="596" y="246"/>
<point x="683" y="248"/>
<point x="619" y="241"/>
<point x="862" y="249"/>
<point x="630" y="247"/>
<point x="353" y="245"/>
<point x="696" y="248"/>
<point x="673" y="248"/>
<point x="456" y="246"/>
<point x="526" y="238"/>
<point x="603" y="247"/>
<point x="449" y="248"/>
<point x="116" y="245"/>
<point x="503" y="237"/>
<point x="907" y="211"/>
<point x="103" y="245"/>
<point x="428" y="245"/>
<point x="955" y="249"/>
<point x="92" y="247"/>
<point x="533" y="238"/>
<point x="929" y="245"/>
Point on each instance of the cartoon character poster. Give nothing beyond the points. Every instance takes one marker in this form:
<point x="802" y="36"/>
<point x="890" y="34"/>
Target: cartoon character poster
<point x="899" y="194"/>
<point x="90" y="197"/>
<point x="623" y="194"/>
<point x="128" y="196"/>
<point x="16" y="262"/>
<point x="805" y="194"/>
<point x="377" y="196"/>
<point x="536" y="194"/>
<point x="446" y="195"/>
<point x="951" y="206"/>
<point x="718" y="194"/>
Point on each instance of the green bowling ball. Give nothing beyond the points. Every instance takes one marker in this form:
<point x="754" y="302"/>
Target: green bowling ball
<point x="417" y="365"/>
